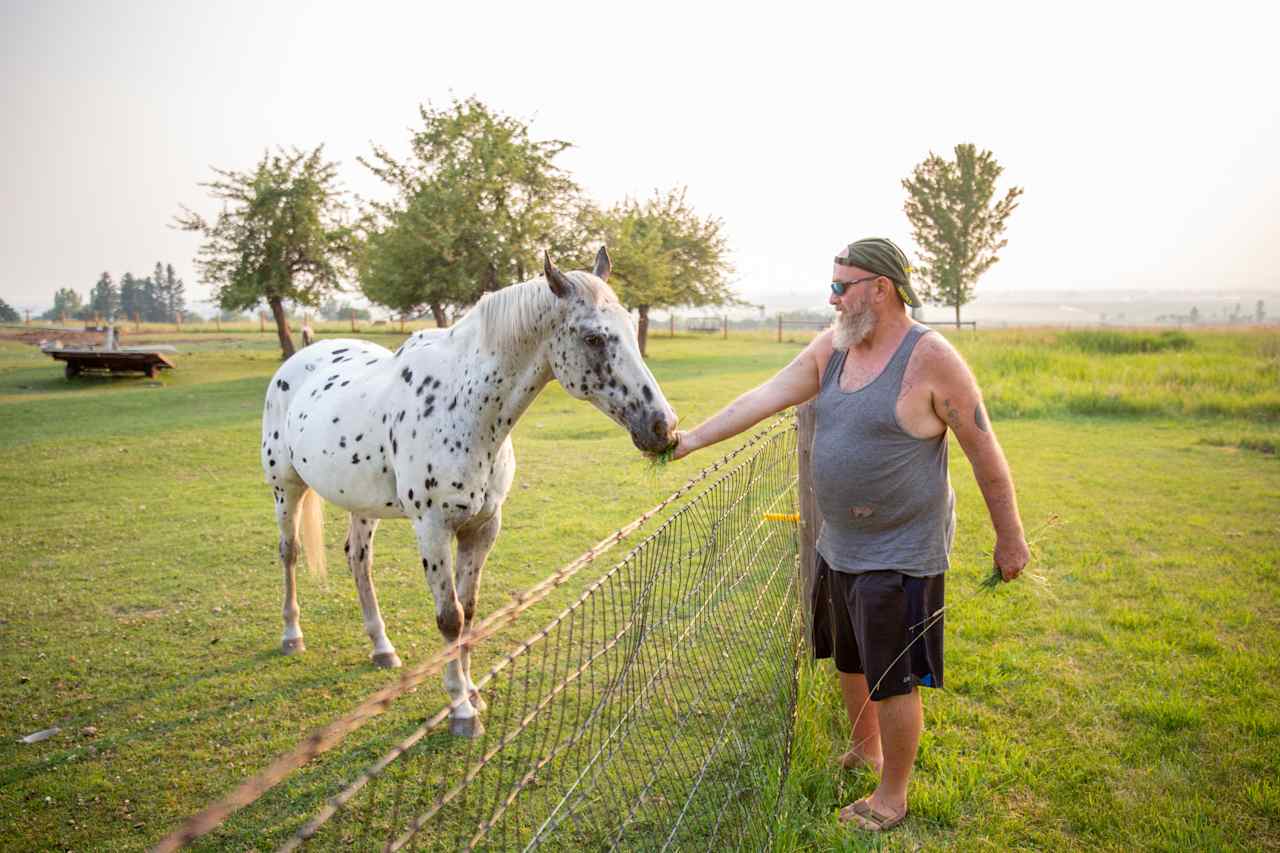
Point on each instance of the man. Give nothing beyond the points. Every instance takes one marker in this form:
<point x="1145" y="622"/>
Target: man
<point x="887" y="390"/>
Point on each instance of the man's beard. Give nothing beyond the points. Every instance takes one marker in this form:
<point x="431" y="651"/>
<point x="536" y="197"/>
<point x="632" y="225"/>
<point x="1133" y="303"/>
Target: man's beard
<point x="852" y="328"/>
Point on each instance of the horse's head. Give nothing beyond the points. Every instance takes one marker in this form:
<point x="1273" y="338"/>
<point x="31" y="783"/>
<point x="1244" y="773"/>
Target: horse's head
<point x="595" y="356"/>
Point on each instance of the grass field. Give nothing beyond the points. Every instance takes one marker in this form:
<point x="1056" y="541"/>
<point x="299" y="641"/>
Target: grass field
<point x="1130" y="700"/>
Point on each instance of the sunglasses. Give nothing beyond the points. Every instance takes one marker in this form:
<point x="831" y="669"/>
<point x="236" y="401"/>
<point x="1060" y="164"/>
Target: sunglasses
<point x="839" y="287"/>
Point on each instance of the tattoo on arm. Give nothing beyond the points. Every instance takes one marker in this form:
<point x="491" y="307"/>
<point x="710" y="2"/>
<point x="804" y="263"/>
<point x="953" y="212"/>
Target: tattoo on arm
<point x="953" y="416"/>
<point x="980" y="418"/>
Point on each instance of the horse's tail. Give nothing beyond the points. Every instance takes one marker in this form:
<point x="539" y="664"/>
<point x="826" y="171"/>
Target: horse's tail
<point x="311" y="514"/>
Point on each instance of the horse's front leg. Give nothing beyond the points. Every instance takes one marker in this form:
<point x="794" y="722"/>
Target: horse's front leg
<point x="359" y="550"/>
<point x="435" y="542"/>
<point x="474" y="545"/>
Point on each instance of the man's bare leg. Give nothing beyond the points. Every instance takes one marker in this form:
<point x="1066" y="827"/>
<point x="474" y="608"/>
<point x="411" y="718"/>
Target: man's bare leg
<point x="864" y="748"/>
<point x="901" y="720"/>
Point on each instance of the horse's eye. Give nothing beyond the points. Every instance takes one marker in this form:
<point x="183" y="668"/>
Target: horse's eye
<point x="594" y="341"/>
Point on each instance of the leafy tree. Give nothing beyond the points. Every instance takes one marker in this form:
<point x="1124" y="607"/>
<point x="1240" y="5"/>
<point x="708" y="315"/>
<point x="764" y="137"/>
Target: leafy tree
<point x="66" y="303"/>
<point x="104" y="299"/>
<point x="954" y="222"/>
<point x="7" y="314"/>
<point x="665" y="255"/>
<point x="281" y="235"/>
<point x="475" y="205"/>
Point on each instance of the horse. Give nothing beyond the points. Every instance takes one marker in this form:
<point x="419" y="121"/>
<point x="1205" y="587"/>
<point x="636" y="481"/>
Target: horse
<point x="424" y="433"/>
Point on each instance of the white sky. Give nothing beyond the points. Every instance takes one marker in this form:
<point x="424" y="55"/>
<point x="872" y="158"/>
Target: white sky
<point x="1145" y="135"/>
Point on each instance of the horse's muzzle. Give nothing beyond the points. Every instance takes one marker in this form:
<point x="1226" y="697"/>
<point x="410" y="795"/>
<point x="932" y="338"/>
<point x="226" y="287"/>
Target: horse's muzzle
<point x="654" y="431"/>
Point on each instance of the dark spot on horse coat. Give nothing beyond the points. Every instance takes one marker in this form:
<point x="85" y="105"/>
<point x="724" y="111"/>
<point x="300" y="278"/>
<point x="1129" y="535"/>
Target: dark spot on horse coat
<point x="406" y="375"/>
<point x="355" y="458"/>
<point x="648" y="394"/>
<point x="282" y="385"/>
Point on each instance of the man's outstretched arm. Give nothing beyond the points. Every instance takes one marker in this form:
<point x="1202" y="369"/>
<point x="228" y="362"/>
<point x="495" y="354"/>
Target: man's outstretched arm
<point x="791" y="386"/>
<point x="958" y="401"/>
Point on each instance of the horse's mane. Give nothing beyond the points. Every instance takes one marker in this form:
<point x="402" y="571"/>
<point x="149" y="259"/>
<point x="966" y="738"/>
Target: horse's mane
<point x="520" y="310"/>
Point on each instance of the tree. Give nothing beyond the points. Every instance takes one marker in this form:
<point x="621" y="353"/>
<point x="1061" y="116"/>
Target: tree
<point x="131" y="294"/>
<point x="281" y="235"/>
<point x="475" y="205"/>
<point x="7" y="314"/>
<point x="104" y="299"/>
<point x="955" y="225"/>
<point x="175" y="293"/>
<point x="665" y="255"/>
<point x="66" y="303"/>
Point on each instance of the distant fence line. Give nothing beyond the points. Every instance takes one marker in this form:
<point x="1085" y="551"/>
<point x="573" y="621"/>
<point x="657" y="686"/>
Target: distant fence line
<point x="655" y="710"/>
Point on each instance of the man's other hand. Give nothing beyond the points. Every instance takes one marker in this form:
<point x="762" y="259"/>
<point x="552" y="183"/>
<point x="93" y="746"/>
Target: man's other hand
<point x="1012" y="556"/>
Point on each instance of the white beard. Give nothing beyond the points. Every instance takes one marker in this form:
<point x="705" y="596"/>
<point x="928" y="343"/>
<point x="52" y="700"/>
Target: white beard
<point x="853" y="328"/>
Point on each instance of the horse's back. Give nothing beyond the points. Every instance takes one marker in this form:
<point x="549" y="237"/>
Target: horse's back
<point x="323" y="363"/>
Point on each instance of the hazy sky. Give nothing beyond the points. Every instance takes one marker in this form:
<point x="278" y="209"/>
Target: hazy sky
<point x="1145" y="135"/>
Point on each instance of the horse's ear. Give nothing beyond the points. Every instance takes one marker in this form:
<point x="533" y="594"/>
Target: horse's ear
<point x="603" y="264"/>
<point x="555" y="279"/>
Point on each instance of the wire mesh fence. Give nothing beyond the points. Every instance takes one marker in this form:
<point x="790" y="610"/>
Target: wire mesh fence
<point x="653" y="712"/>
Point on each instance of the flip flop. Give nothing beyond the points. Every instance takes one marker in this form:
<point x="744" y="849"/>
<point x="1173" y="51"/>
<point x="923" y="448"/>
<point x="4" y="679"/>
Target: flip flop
<point x="870" y="820"/>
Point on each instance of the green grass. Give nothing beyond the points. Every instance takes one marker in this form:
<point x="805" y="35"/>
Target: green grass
<point x="1130" y="701"/>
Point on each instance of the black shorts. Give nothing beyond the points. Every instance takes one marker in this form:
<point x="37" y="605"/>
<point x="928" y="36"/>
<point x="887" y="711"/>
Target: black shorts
<point x="877" y="619"/>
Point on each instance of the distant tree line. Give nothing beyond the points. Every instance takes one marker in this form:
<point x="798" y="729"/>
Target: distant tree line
<point x="157" y="298"/>
<point x="471" y="209"/>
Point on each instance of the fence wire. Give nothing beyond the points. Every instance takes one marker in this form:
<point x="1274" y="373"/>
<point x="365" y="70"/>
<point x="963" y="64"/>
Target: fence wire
<point x="653" y="712"/>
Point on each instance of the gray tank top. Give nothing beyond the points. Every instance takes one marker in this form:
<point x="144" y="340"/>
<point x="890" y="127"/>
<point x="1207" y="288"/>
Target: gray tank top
<point x="884" y="495"/>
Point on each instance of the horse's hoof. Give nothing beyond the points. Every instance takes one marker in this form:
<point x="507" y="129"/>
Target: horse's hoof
<point x="477" y="701"/>
<point x="386" y="660"/>
<point x="469" y="727"/>
<point x="293" y="647"/>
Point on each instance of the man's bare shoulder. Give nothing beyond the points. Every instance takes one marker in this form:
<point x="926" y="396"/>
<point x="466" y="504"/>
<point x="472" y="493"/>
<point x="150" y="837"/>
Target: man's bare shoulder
<point x="934" y="355"/>
<point x="820" y="349"/>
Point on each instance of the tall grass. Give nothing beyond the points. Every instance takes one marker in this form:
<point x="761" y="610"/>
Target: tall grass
<point x="1041" y="373"/>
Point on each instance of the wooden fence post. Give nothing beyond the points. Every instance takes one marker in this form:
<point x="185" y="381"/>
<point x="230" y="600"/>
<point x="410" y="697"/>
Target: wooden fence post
<point x="726" y="327"/>
<point x="673" y="323"/>
<point x="262" y="322"/>
<point x="779" y="328"/>
<point x="810" y="522"/>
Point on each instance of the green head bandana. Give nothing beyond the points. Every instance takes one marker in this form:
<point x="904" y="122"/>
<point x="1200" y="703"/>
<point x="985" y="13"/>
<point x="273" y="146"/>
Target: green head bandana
<point x="880" y="256"/>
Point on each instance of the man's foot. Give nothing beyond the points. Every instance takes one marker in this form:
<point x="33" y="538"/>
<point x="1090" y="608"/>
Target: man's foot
<point x="854" y="760"/>
<point x="871" y="817"/>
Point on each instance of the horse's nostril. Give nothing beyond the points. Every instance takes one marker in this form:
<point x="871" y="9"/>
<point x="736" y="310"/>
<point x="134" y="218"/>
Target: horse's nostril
<point x="660" y="427"/>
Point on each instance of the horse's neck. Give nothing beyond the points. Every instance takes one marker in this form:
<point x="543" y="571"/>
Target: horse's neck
<point x="520" y="363"/>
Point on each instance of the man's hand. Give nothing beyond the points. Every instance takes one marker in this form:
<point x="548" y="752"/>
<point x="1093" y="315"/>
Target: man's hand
<point x="683" y="445"/>
<point x="1011" y="556"/>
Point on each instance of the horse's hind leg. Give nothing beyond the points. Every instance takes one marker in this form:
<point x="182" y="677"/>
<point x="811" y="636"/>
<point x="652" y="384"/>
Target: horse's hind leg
<point x="288" y="504"/>
<point x="473" y="548"/>
<point x="359" y="549"/>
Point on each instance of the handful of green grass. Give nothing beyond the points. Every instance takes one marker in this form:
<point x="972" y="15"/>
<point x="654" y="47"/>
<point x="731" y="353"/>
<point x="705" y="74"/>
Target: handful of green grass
<point x="662" y="457"/>
<point x="992" y="580"/>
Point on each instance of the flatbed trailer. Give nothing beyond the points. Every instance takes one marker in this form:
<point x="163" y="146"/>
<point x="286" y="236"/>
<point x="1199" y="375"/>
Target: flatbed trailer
<point x="148" y="360"/>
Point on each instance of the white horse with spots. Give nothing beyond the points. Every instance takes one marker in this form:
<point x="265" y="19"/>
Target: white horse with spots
<point x="424" y="433"/>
